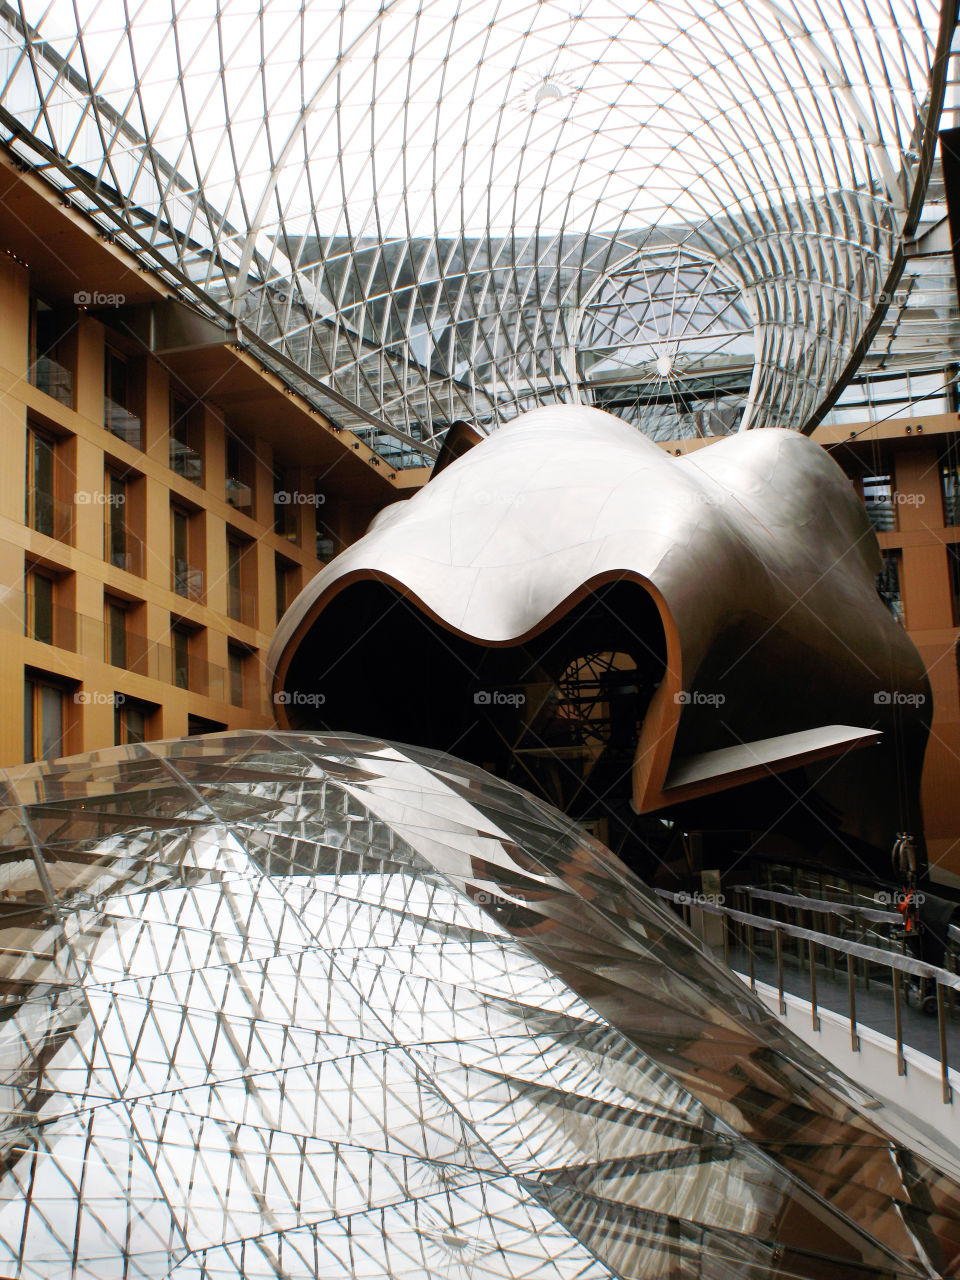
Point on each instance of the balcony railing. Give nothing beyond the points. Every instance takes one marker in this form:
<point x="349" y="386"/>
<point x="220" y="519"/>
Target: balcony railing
<point x="126" y="552"/>
<point x="238" y="494"/>
<point x="187" y="580"/>
<point x="789" y="955"/>
<point x="242" y="606"/>
<point x="122" y="423"/>
<point x="53" y="379"/>
<point x="52" y="625"/>
<point x="90" y="637"/>
<point x="185" y="461"/>
<point x="881" y="513"/>
<point x="48" y="515"/>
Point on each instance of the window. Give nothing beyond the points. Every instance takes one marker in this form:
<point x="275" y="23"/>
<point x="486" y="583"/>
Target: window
<point x="115" y="617"/>
<point x="953" y="557"/>
<point x="49" y="371"/>
<point x="43" y="512"/>
<point x="43" y="719"/>
<point x="129" y="720"/>
<point x="121" y="546"/>
<point x="878" y="500"/>
<point x="950" y="483"/>
<point x="187" y="577"/>
<point x="284" y="573"/>
<point x="888" y="584"/>
<point x="234" y="587"/>
<point x="39" y="618"/>
<point x="180" y="643"/>
<point x="117" y="416"/>
<point x="236" y="658"/>
<point x="241" y="470"/>
<point x="284" y="507"/>
<point x="199" y="724"/>
<point x="186" y="456"/>
<point x="240" y="603"/>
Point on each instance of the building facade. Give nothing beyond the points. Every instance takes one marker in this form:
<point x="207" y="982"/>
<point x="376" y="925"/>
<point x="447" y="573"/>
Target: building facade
<point x="164" y="497"/>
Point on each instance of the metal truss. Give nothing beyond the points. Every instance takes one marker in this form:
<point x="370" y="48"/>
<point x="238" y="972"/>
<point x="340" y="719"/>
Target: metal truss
<point x="693" y="214"/>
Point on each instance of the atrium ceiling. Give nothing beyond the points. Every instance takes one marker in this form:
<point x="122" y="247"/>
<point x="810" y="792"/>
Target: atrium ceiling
<point x="693" y="215"/>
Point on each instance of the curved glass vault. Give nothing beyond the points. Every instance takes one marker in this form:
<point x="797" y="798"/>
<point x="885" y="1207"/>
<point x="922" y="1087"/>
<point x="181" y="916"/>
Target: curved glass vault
<point x="689" y="214"/>
<point x="286" y="1006"/>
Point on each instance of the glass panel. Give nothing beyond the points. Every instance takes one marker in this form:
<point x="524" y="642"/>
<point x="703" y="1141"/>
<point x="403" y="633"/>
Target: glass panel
<point x="236" y="677"/>
<point x="878" y="499"/>
<point x="181" y="658"/>
<point x="40" y="595"/>
<point x="117" y="635"/>
<point x="51" y="721"/>
<point x="117" y="521"/>
<point x="29" y="725"/>
<point x="40" y="484"/>
<point x="889" y="584"/>
<point x="950" y="484"/>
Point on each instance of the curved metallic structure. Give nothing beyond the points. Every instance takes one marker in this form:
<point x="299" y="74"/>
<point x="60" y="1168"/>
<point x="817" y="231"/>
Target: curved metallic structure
<point x="280" y="1006"/>
<point x="720" y="609"/>
<point x="692" y="215"/>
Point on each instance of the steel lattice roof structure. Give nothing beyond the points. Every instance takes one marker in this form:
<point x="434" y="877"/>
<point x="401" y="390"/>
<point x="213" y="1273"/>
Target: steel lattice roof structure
<point x="430" y="210"/>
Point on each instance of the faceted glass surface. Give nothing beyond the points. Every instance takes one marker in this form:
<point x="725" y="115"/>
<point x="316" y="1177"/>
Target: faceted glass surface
<point x="279" y="1005"/>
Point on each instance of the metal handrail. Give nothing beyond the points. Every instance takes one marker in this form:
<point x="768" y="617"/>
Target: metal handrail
<point x="897" y="962"/>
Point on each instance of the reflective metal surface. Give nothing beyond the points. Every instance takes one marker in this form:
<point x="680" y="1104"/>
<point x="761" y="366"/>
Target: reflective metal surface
<point x="286" y="1006"/>
<point x="739" y="584"/>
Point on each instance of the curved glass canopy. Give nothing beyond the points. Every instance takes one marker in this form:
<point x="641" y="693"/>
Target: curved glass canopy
<point x="688" y="213"/>
<point x="280" y="1007"/>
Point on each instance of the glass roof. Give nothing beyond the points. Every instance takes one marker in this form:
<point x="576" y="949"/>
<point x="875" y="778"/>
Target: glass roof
<point x="444" y="209"/>
<point x="281" y="1006"/>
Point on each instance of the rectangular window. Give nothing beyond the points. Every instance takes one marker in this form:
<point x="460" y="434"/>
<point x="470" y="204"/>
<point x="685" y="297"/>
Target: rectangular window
<point x="950" y="483"/>
<point x="280" y="577"/>
<point x="180" y="642"/>
<point x="41" y="499"/>
<point x="118" y="418"/>
<point x="48" y="372"/>
<point x="129" y="720"/>
<point x="889" y="584"/>
<point x="186" y="457"/>
<point x="236" y="658"/>
<point x="40" y="607"/>
<point x="878" y="500"/>
<point x="953" y="557"/>
<point x="240" y="468"/>
<point x="116" y="620"/>
<point x="285" y="507"/>
<point x="117" y="548"/>
<point x="240" y="603"/>
<point x="43" y="719"/>
<point x="187" y="578"/>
